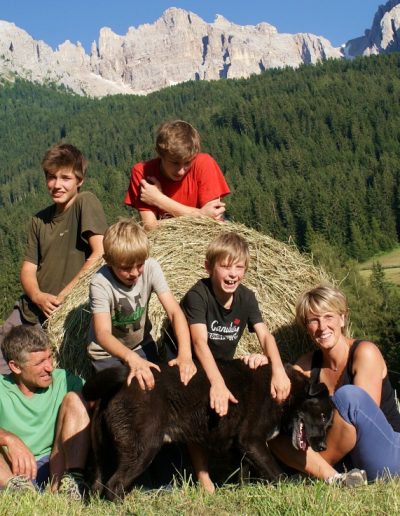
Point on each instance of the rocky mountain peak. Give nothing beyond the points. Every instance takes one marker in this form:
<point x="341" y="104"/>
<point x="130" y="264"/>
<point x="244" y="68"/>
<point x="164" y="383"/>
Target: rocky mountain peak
<point x="180" y="46"/>
<point x="384" y="35"/>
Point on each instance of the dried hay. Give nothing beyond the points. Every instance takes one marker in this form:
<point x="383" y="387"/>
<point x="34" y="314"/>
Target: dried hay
<point x="277" y="274"/>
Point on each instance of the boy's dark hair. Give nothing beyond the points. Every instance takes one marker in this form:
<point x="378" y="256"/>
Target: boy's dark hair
<point x="64" y="155"/>
<point x="231" y="246"/>
<point x="178" y="139"/>
<point x="22" y="340"/>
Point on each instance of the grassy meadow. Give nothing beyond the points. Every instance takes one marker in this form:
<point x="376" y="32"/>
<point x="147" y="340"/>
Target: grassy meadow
<point x="287" y="498"/>
<point x="390" y="263"/>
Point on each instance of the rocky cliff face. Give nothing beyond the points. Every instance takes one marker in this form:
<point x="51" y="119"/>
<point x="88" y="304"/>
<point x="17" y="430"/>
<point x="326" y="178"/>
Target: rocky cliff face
<point x="178" y="47"/>
<point x="384" y="35"/>
<point x="34" y="60"/>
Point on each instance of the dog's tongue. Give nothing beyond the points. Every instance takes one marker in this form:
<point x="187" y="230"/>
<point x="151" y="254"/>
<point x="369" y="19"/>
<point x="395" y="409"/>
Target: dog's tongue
<point x="302" y="441"/>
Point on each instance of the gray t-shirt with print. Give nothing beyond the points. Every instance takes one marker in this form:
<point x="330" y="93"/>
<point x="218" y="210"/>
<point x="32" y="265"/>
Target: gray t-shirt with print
<point x="128" y="306"/>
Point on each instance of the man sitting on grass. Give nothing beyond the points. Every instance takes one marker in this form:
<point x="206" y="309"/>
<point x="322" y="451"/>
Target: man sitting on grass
<point x="44" y="424"/>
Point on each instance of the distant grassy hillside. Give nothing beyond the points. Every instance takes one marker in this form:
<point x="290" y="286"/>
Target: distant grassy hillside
<point x="390" y="263"/>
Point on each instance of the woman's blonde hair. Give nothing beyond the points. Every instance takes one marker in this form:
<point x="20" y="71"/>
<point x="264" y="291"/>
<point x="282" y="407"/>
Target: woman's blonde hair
<point x="125" y="243"/>
<point x="323" y="298"/>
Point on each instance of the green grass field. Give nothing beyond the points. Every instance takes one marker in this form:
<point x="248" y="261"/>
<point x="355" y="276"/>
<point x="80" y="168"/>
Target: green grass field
<point x="287" y="498"/>
<point x="390" y="262"/>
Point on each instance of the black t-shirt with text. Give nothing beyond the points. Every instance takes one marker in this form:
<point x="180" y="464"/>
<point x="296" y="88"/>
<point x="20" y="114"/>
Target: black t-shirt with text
<point x="224" y="326"/>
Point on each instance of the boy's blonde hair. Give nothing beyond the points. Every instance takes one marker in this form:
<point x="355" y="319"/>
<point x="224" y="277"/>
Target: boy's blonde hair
<point x="178" y="139"/>
<point x="323" y="298"/>
<point x="230" y="246"/>
<point x="125" y="243"/>
<point x="65" y="155"/>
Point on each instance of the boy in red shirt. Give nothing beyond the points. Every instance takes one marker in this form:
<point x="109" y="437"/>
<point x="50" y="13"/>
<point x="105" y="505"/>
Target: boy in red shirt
<point x="180" y="181"/>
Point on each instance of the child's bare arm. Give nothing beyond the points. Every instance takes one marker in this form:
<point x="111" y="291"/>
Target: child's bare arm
<point x="139" y="367"/>
<point x="184" y="360"/>
<point x="96" y="246"/>
<point x="47" y="303"/>
<point x="280" y="383"/>
<point x="220" y="395"/>
<point x="148" y="219"/>
<point x="152" y="195"/>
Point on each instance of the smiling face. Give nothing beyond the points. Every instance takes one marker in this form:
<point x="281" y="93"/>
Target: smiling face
<point x="128" y="274"/>
<point x="35" y="372"/>
<point x="63" y="186"/>
<point x="226" y="275"/>
<point x="173" y="168"/>
<point x="325" y="328"/>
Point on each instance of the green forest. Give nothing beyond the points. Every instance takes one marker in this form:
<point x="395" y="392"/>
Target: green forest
<point x="311" y="155"/>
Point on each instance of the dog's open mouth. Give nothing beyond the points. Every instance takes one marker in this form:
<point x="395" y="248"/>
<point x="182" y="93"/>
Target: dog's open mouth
<point x="299" y="438"/>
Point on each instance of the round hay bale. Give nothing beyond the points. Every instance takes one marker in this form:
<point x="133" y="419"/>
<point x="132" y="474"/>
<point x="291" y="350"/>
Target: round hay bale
<point x="277" y="274"/>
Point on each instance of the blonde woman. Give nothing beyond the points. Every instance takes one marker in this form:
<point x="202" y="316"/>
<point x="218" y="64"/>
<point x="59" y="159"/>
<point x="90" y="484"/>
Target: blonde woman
<point x="366" y="426"/>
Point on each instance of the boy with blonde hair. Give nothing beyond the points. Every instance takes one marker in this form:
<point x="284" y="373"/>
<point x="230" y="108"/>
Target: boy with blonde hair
<point x="218" y="309"/>
<point x="119" y="295"/>
<point x="180" y="181"/>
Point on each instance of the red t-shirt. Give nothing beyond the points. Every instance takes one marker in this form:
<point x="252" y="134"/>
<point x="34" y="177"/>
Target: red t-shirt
<point x="203" y="183"/>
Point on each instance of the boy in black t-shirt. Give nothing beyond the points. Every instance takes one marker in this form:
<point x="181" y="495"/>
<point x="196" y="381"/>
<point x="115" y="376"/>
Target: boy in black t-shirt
<point x="218" y="309"/>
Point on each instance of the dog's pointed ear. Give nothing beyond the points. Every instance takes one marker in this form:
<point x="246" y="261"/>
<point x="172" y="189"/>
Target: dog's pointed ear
<point x="317" y="389"/>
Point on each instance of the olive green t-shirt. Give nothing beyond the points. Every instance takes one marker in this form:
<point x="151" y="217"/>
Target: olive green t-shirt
<point x="58" y="245"/>
<point x="34" y="419"/>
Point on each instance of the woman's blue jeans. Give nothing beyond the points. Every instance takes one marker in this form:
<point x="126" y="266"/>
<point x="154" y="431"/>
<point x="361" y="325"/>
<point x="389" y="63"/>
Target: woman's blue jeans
<point x="377" y="449"/>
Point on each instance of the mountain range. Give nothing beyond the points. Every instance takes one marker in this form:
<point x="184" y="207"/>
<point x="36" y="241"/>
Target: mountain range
<point x="179" y="47"/>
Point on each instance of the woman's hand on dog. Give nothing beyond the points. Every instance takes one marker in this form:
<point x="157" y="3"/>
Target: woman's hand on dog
<point x="220" y="396"/>
<point x="141" y="370"/>
<point x="187" y="369"/>
<point x="254" y="360"/>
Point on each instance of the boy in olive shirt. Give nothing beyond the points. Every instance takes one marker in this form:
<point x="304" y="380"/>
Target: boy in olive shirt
<point x="63" y="240"/>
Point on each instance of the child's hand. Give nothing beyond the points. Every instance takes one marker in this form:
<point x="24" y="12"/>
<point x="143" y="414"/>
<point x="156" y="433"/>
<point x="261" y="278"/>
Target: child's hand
<point x="187" y="369"/>
<point x="220" y="396"/>
<point x="214" y="209"/>
<point x="141" y="370"/>
<point x="254" y="360"/>
<point x="150" y="191"/>
<point x="280" y="384"/>
<point x="47" y="303"/>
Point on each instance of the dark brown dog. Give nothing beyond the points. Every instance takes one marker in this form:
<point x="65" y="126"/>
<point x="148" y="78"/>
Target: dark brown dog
<point x="130" y="425"/>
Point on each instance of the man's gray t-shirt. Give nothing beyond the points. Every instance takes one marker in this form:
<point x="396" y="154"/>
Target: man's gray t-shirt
<point x="128" y="306"/>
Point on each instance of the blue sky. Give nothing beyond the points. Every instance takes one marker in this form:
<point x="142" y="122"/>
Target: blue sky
<point x="54" y="21"/>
